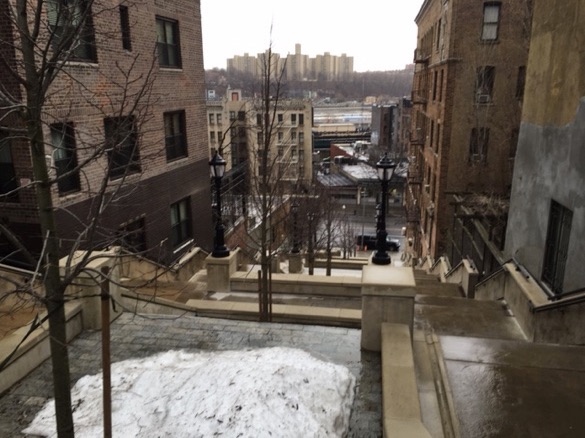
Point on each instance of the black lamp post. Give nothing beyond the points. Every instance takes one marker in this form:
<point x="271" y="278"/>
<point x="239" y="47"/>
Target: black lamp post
<point x="295" y="211"/>
<point x="217" y="165"/>
<point x="310" y="249"/>
<point x="385" y="170"/>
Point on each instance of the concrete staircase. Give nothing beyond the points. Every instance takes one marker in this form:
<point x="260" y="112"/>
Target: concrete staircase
<point x="442" y="310"/>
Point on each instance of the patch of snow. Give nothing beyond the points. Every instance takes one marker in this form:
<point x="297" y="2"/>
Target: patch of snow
<point x="270" y="392"/>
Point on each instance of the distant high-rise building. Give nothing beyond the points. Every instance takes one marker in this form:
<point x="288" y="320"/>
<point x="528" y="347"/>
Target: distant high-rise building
<point x="298" y="66"/>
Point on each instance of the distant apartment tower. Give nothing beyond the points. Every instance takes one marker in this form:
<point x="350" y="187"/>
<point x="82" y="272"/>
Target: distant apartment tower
<point x="154" y="156"/>
<point x="297" y="66"/>
<point x="467" y="95"/>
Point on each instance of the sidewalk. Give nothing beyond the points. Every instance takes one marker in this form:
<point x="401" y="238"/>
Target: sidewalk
<point x="139" y="336"/>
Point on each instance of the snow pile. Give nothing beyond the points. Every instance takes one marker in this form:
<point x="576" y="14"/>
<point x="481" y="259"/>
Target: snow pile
<point x="271" y="392"/>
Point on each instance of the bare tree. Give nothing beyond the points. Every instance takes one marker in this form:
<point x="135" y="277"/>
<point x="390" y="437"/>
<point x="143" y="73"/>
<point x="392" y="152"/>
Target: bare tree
<point x="265" y="147"/>
<point x="45" y="53"/>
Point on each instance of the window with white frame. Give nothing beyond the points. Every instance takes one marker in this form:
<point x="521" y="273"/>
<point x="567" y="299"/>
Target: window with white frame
<point x="491" y="21"/>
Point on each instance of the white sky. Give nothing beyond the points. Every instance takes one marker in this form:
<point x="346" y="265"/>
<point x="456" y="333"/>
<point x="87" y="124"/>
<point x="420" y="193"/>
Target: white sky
<point x="270" y="392"/>
<point x="379" y="34"/>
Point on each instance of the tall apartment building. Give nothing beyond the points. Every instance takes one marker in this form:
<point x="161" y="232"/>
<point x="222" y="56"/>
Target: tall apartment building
<point x="297" y="66"/>
<point x="467" y="94"/>
<point x="391" y="127"/>
<point x="131" y="116"/>
<point x="234" y="129"/>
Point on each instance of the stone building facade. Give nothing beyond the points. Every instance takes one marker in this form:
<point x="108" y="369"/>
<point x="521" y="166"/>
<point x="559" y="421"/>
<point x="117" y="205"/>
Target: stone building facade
<point x="467" y="95"/>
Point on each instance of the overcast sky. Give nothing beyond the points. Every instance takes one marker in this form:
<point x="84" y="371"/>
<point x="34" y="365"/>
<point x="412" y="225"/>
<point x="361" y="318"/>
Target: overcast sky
<point x="379" y="34"/>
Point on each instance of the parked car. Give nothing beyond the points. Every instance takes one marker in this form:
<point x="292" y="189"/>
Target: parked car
<point x="369" y="241"/>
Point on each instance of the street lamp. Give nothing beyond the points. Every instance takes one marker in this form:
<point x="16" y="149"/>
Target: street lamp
<point x="217" y="165"/>
<point x="295" y="211"/>
<point x="310" y="249"/>
<point x="385" y="170"/>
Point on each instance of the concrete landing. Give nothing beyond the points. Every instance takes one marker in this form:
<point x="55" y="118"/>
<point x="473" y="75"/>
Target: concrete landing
<point x="466" y="317"/>
<point x="504" y="388"/>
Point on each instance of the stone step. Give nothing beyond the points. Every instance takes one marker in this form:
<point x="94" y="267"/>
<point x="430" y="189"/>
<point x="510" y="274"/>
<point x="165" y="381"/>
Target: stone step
<point x="466" y="317"/>
<point x="440" y="289"/>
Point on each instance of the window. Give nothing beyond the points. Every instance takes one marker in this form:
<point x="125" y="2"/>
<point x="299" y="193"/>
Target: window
<point x="293" y="119"/>
<point x="478" y="144"/>
<point x="280" y="118"/>
<point x="280" y="137"/>
<point x="125" y="28"/>
<point x="211" y="119"/>
<point x="218" y="117"/>
<point x="301" y="137"/>
<point x="557" y="246"/>
<point x="175" y="136"/>
<point x="122" y="146"/>
<point x="65" y="156"/>
<point x="212" y="137"/>
<point x="441" y="86"/>
<point x="180" y="222"/>
<point x="301" y="119"/>
<point x="438" y="42"/>
<point x="232" y="115"/>
<point x="167" y="43"/>
<point x="7" y="175"/>
<point x="259" y="119"/>
<point x="219" y="137"/>
<point x="293" y="154"/>
<point x="432" y="134"/>
<point x="491" y="21"/>
<point x="484" y="85"/>
<point x="235" y="154"/>
<point x="293" y="136"/>
<point x="133" y="236"/>
<point x="241" y="116"/>
<point x="520" y="82"/>
<point x="72" y="28"/>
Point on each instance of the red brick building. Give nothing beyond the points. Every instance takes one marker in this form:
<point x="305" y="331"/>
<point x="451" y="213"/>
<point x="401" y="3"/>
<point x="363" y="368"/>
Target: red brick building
<point x="127" y="111"/>
<point x="467" y="96"/>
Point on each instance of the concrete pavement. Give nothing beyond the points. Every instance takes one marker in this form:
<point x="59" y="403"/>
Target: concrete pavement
<point x="135" y="336"/>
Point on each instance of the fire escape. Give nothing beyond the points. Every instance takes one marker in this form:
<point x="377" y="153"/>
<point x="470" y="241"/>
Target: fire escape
<point x="417" y="139"/>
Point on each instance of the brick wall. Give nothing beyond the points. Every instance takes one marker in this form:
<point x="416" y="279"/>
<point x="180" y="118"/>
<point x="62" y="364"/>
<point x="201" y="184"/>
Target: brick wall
<point x="86" y="93"/>
<point x="453" y="36"/>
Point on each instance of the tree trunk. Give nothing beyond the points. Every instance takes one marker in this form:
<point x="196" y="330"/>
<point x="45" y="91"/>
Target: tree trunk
<point x="54" y="289"/>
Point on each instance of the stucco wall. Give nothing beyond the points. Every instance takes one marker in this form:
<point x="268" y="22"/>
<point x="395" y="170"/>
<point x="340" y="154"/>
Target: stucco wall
<point x="556" y="64"/>
<point x="550" y="160"/>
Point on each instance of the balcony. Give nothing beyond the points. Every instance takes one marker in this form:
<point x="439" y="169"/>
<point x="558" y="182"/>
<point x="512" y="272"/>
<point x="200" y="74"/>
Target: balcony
<point x="421" y="57"/>
<point x="412" y="213"/>
<point x="418" y="97"/>
<point x="418" y="137"/>
<point x="414" y="177"/>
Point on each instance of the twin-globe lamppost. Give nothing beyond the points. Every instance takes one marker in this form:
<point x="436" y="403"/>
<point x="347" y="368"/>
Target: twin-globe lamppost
<point x="217" y="165"/>
<point x="385" y="169"/>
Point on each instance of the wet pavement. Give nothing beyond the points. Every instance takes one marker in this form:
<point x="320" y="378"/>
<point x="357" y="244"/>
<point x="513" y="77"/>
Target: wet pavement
<point x="135" y="336"/>
<point x="505" y="388"/>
